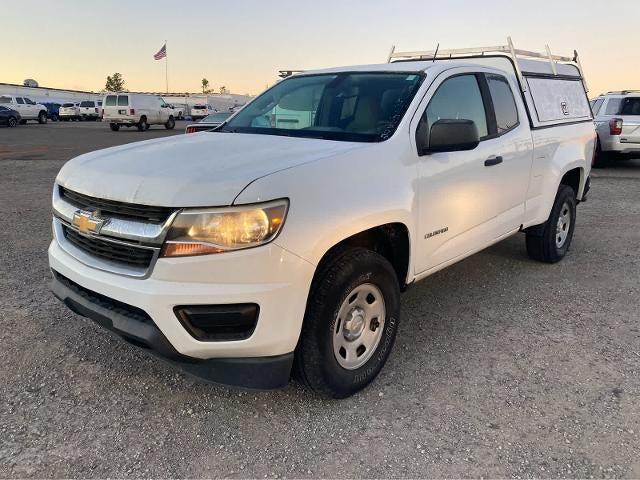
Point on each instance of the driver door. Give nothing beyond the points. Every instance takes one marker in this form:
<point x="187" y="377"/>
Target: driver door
<point x="457" y="203"/>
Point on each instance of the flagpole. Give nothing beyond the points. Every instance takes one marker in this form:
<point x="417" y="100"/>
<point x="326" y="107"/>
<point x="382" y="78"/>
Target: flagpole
<point x="166" y="68"/>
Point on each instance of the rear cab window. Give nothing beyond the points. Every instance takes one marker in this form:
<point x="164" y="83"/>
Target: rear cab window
<point x="504" y="104"/>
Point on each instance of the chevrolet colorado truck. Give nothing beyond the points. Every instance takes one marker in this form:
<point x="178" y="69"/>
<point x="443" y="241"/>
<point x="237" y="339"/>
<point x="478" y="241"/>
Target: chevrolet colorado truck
<point x="278" y="244"/>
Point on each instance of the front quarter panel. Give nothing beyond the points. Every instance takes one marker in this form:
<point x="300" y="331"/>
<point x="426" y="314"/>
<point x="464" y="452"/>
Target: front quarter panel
<point x="337" y="197"/>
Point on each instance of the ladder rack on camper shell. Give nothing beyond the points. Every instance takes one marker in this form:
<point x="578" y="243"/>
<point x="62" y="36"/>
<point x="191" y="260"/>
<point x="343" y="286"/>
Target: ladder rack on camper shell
<point x="505" y="50"/>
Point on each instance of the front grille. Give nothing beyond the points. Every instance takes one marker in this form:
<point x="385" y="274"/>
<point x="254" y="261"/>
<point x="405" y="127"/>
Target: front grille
<point x="129" y="311"/>
<point x="120" y="209"/>
<point x="125" y="254"/>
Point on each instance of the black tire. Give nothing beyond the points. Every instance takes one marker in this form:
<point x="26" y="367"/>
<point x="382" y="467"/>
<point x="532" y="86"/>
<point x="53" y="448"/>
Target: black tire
<point x="601" y="159"/>
<point x="542" y="244"/>
<point x="114" y="127"/>
<point x="42" y="118"/>
<point x="171" y="123"/>
<point x="12" y="122"/>
<point x="142" y="124"/>
<point x="315" y="364"/>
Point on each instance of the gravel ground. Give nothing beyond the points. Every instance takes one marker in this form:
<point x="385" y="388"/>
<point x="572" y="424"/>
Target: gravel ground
<point x="503" y="367"/>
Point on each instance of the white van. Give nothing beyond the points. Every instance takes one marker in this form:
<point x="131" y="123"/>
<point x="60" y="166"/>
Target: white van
<point x="136" y="110"/>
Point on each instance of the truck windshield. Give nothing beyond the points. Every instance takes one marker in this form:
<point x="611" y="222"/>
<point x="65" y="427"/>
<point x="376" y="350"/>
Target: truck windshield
<point x="349" y="106"/>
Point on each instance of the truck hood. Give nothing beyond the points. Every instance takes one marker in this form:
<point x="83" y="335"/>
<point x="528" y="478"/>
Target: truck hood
<point x="195" y="170"/>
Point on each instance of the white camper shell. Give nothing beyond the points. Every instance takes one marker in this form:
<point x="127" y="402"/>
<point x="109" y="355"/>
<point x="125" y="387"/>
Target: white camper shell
<point x="552" y="86"/>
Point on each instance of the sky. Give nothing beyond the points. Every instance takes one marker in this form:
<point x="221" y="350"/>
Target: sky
<point x="75" y="44"/>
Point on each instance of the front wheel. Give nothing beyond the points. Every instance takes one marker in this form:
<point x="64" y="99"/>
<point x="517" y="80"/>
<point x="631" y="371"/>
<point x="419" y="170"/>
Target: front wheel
<point x="550" y="241"/>
<point x="350" y="324"/>
<point x="42" y="117"/>
<point x="171" y="123"/>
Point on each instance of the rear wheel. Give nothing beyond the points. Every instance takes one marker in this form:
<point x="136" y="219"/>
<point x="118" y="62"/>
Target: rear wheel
<point x="550" y="241"/>
<point x="601" y="158"/>
<point x="350" y="324"/>
<point x="171" y="123"/>
<point x="12" y="122"/>
<point x="114" y="127"/>
<point x="143" y="125"/>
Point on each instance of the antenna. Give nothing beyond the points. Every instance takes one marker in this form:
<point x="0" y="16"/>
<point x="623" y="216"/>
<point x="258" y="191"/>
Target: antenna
<point x="435" y="54"/>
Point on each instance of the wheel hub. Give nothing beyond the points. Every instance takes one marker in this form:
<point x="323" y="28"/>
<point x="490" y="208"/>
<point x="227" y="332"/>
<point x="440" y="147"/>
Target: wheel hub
<point x="359" y="325"/>
<point x="354" y="324"/>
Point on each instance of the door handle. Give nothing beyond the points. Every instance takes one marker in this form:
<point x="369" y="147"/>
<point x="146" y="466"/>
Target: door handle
<point x="491" y="161"/>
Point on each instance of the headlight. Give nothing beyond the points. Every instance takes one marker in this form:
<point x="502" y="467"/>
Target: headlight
<point x="201" y="232"/>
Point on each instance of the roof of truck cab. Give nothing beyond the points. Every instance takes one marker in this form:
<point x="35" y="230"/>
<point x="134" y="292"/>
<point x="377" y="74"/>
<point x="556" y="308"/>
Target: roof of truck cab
<point x="380" y="67"/>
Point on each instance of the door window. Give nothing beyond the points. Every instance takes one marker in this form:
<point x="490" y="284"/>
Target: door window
<point x="458" y="98"/>
<point x="19" y="100"/>
<point x="504" y="104"/>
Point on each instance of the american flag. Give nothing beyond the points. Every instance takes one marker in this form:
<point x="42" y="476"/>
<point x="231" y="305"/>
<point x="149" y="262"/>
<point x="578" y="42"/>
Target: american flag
<point x="162" y="53"/>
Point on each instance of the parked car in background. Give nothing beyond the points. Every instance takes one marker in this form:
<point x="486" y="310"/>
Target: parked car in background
<point x="136" y="110"/>
<point x="263" y="248"/>
<point x="69" y="111"/>
<point x="9" y="117"/>
<point x="199" y="111"/>
<point x="90" y="110"/>
<point x="617" y="120"/>
<point x="53" y="110"/>
<point x="28" y="109"/>
<point x="177" y="111"/>
<point x="207" y="123"/>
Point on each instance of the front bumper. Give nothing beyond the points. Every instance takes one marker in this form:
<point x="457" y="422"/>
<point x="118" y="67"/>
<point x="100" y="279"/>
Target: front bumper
<point x="268" y="276"/>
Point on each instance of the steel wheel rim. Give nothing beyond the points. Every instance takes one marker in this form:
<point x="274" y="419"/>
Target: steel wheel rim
<point x="563" y="225"/>
<point x="358" y="328"/>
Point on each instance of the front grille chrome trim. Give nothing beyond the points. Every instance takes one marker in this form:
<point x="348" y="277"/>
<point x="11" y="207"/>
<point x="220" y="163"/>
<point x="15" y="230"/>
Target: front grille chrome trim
<point x="101" y="263"/>
<point x="144" y="233"/>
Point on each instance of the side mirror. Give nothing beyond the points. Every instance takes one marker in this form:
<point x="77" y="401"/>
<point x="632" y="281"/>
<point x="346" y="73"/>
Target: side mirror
<point x="449" y="135"/>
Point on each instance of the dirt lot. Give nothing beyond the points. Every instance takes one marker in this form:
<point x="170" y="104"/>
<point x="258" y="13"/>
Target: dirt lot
<point x="503" y="367"/>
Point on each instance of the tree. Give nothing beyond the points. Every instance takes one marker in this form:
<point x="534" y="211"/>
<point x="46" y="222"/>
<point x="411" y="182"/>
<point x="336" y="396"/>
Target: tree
<point x="205" y="85"/>
<point x="223" y="90"/>
<point x="115" y="83"/>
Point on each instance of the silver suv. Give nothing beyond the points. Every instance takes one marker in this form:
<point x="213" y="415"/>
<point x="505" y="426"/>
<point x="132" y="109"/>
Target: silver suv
<point x="617" y="119"/>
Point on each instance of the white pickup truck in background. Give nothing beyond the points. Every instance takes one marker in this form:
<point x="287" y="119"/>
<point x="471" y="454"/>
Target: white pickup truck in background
<point x="276" y="245"/>
<point x="27" y="108"/>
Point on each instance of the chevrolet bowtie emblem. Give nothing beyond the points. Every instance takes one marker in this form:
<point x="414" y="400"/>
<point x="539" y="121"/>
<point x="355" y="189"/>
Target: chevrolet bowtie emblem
<point x="88" y="222"/>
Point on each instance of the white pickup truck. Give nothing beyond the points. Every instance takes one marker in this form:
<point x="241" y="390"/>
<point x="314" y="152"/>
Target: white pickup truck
<point x="27" y="108"/>
<point x="265" y="248"/>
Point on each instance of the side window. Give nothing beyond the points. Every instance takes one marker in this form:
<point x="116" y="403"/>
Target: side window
<point x="110" y="101"/>
<point x="504" y="104"/>
<point x="458" y="98"/>
<point x="28" y="101"/>
<point x="595" y="107"/>
<point x="5" y="99"/>
<point x="613" y="106"/>
<point x="123" y="100"/>
<point x="19" y="100"/>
